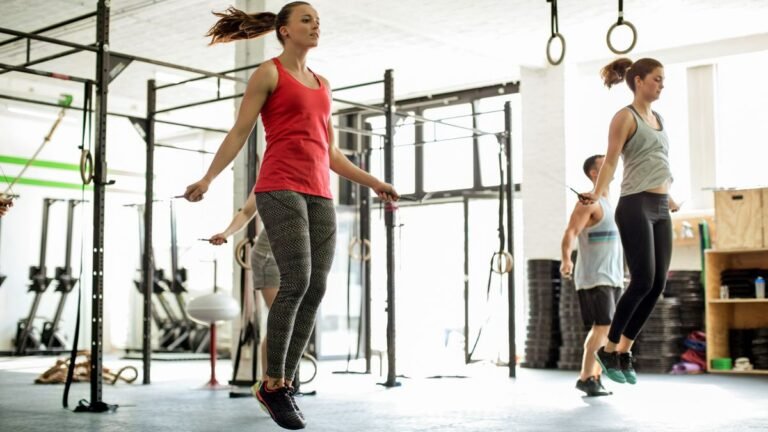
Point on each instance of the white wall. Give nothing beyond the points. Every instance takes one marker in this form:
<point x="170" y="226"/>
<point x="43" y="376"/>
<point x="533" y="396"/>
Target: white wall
<point x="24" y="127"/>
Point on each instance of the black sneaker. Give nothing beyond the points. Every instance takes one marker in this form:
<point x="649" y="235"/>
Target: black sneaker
<point x="292" y="393"/>
<point x="592" y="387"/>
<point x="600" y="383"/>
<point x="610" y="364"/>
<point x="626" y="360"/>
<point x="279" y="405"/>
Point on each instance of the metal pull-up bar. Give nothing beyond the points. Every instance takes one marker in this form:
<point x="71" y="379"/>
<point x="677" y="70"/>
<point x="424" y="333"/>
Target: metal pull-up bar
<point x="93" y="49"/>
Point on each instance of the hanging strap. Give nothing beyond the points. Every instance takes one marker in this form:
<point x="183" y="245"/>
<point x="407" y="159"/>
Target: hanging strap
<point x="73" y="355"/>
<point x="86" y="159"/>
<point x="620" y="22"/>
<point x="554" y="33"/>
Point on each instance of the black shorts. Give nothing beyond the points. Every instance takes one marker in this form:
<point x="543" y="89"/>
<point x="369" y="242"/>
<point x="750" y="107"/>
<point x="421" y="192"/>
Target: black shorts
<point x="598" y="304"/>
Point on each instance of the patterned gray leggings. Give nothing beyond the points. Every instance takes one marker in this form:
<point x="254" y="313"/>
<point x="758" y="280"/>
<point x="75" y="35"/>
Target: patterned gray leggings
<point x="302" y="233"/>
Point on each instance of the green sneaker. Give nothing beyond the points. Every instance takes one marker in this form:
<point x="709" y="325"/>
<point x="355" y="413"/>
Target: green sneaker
<point x="610" y="364"/>
<point x="625" y="361"/>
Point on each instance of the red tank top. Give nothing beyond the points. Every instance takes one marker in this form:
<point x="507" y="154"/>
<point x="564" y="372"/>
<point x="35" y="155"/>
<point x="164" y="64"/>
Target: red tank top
<point x="295" y="120"/>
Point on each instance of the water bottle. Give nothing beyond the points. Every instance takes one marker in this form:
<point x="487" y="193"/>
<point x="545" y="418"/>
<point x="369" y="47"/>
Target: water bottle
<point x="760" y="287"/>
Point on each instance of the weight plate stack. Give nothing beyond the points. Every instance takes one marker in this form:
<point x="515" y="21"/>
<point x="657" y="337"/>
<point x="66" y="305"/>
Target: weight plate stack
<point x="760" y="349"/>
<point x="685" y="285"/>
<point x="660" y="343"/>
<point x="740" y="342"/>
<point x="573" y="331"/>
<point x="543" y="330"/>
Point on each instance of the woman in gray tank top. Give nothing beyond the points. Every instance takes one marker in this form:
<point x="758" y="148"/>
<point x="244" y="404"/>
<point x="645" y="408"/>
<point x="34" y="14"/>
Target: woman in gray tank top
<point x="638" y="135"/>
<point x="264" y="270"/>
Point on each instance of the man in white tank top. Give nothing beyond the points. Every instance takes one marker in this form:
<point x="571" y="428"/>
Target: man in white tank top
<point x="599" y="275"/>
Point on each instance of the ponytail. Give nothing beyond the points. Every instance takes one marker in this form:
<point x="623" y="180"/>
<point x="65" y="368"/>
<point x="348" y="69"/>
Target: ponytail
<point x="614" y="72"/>
<point x="234" y="24"/>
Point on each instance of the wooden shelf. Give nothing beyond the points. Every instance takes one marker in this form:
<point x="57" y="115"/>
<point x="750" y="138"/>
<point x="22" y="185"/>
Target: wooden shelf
<point x="733" y="372"/>
<point x="736" y="251"/>
<point x="738" y="300"/>
<point x="723" y="315"/>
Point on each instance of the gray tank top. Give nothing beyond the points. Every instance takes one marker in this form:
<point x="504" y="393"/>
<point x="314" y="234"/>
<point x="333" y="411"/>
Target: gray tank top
<point x="601" y="260"/>
<point x="646" y="157"/>
<point x="261" y="246"/>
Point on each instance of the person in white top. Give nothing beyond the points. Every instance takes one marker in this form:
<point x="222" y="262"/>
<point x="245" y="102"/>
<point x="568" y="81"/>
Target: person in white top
<point x="598" y="276"/>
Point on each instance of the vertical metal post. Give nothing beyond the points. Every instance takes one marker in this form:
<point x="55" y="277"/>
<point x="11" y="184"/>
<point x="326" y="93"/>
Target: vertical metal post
<point x="100" y="182"/>
<point x="466" y="280"/>
<point x="365" y="237"/>
<point x="418" y="155"/>
<point x="253" y="174"/>
<point x="510" y="237"/>
<point x="477" y="181"/>
<point x="390" y="222"/>
<point x="148" y="266"/>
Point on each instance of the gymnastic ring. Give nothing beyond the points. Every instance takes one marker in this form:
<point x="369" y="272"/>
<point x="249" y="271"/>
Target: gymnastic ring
<point x="507" y="262"/>
<point x="366" y="244"/>
<point x="610" y="31"/>
<point x="240" y="253"/>
<point x="86" y="166"/>
<point x="549" y="49"/>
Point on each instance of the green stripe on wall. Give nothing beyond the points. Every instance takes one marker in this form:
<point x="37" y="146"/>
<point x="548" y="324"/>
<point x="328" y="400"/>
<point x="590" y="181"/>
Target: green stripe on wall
<point x="65" y="185"/>
<point x="60" y="165"/>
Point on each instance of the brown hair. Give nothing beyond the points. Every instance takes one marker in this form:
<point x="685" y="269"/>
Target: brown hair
<point x="590" y="164"/>
<point x="234" y="24"/>
<point x="624" y="70"/>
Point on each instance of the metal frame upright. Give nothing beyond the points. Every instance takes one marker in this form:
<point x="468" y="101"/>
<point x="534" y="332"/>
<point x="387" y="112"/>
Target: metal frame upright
<point x="100" y="182"/>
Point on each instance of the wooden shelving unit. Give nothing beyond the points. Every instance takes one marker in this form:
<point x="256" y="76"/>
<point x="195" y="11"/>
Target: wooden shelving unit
<point x="725" y="314"/>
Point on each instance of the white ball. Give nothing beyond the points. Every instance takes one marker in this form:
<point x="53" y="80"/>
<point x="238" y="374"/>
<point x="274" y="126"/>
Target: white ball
<point x="213" y="307"/>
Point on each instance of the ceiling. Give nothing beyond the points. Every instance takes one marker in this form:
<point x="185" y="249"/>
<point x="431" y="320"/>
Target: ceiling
<point x="432" y="45"/>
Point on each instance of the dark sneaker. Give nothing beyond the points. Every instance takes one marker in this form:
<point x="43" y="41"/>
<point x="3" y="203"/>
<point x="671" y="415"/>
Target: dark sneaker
<point x="592" y="387"/>
<point x="610" y="364"/>
<point x="278" y="404"/>
<point x="625" y="361"/>
<point x="600" y="383"/>
<point x="292" y="393"/>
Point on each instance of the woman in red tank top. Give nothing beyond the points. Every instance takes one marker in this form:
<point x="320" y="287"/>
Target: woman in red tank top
<point x="293" y="194"/>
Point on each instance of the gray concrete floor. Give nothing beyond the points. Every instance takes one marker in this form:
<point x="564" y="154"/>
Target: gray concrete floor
<point x="535" y="401"/>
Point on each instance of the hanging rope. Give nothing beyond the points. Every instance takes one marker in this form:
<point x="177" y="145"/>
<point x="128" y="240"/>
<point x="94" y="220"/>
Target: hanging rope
<point x="65" y="102"/>
<point x="554" y="34"/>
<point x="501" y="260"/>
<point x="620" y="22"/>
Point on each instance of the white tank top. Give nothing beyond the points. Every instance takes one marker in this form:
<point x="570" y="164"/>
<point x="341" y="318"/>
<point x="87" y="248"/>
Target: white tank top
<point x="601" y="259"/>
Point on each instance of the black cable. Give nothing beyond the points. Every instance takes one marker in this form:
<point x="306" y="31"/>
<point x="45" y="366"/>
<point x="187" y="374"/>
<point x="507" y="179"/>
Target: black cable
<point x="502" y="240"/>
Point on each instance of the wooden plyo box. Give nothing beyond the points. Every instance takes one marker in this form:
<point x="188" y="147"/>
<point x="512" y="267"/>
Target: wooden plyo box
<point x="741" y="217"/>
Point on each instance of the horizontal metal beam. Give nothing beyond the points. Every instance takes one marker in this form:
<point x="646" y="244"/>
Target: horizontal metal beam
<point x="46" y="59"/>
<point x="117" y="54"/>
<point x="361" y="105"/>
<point x="177" y="67"/>
<point x="183" y="149"/>
<point x="194" y="104"/>
<point x="128" y="116"/>
<point x="206" y="77"/>
<point x="358" y="131"/>
<point x="50" y="27"/>
<point x="44" y="73"/>
<point x="354" y="86"/>
<point x="205" y="128"/>
<point x="54" y="41"/>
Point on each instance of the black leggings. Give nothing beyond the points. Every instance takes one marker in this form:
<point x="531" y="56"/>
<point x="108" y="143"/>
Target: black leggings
<point x="302" y="233"/>
<point x="646" y="234"/>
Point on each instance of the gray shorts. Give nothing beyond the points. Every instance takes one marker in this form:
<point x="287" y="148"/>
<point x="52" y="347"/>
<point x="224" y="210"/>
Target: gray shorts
<point x="264" y="270"/>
